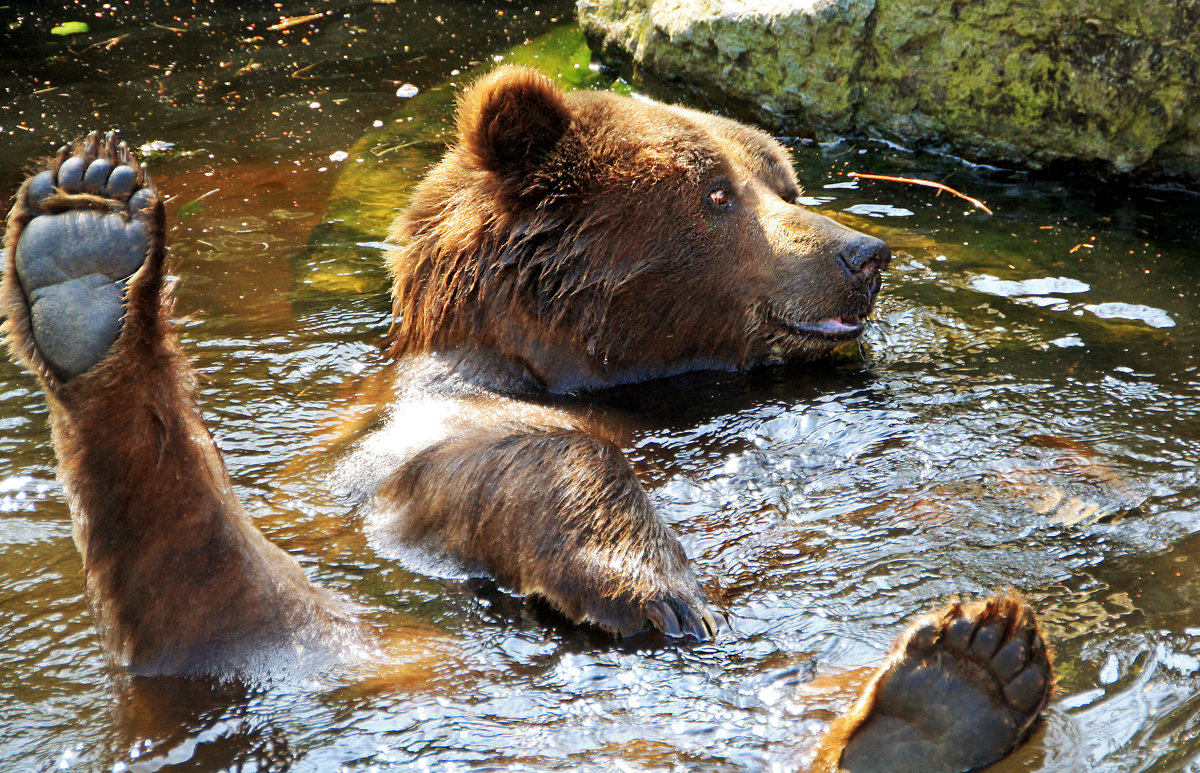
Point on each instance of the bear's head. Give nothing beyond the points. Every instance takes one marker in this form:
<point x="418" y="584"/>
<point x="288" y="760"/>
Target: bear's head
<point x="587" y="239"/>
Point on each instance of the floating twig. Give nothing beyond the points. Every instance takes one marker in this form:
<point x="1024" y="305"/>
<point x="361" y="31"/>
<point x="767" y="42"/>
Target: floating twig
<point x="109" y="44"/>
<point x="302" y="73"/>
<point x="292" y="21"/>
<point x="380" y="152"/>
<point x="927" y="183"/>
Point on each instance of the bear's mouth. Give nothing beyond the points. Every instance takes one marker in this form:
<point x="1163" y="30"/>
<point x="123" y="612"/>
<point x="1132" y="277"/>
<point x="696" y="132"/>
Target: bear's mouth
<point x="844" y="328"/>
<point x="838" y="328"/>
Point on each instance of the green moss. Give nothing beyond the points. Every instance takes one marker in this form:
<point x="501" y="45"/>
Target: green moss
<point x="1019" y="82"/>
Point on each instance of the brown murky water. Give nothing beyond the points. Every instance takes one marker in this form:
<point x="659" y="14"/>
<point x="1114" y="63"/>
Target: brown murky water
<point x="1019" y="362"/>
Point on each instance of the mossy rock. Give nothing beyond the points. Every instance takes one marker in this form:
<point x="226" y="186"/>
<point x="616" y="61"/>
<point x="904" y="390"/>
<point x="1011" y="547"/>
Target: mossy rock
<point x="1098" y="84"/>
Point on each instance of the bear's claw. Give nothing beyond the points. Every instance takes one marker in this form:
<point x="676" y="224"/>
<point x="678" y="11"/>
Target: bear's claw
<point x="89" y="221"/>
<point x="676" y="618"/>
<point x="961" y="690"/>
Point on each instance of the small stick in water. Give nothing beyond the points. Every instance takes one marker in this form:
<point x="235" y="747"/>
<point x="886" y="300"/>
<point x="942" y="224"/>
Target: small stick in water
<point x="291" y="21"/>
<point x="926" y="183"/>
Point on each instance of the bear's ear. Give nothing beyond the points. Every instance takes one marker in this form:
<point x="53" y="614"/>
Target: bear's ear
<point x="509" y="119"/>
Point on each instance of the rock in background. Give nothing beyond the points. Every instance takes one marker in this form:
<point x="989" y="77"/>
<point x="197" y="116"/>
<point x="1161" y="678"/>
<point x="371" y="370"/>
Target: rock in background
<point x="1105" y="85"/>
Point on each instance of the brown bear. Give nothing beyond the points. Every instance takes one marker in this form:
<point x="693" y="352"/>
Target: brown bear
<point x="568" y="243"/>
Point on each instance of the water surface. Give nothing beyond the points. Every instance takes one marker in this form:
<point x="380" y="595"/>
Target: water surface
<point x="1048" y="350"/>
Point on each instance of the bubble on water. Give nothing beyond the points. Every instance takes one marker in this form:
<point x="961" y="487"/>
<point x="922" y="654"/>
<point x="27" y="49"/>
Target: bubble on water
<point x="1133" y="311"/>
<point x="406" y="91"/>
<point x="879" y="210"/>
<point x="1007" y="288"/>
<point x="1044" y="300"/>
<point x="156" y="146"/>
<point x="1067" y="341"/>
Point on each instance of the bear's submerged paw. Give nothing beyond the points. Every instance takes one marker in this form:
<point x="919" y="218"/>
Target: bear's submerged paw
<point x="961" y="690"/>
<point x="676" y="617"/>
<point x="660" y="595"/>
<point x="91" y="220"/>
<point x="670" y="611"/>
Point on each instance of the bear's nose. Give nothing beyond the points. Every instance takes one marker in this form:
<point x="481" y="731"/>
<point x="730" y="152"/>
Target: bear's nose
<point x="865" y="255"/>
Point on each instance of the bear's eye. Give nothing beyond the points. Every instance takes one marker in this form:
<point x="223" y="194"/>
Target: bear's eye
<point x="720" y="195"/>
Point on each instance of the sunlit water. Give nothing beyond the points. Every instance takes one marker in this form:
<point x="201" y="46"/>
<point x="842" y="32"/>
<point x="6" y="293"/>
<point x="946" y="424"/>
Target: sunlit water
<point x="823" y="504"/>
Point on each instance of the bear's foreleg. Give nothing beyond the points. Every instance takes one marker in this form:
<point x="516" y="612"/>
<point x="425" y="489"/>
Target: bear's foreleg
<point x="551" y="512"/>
<point x="178" y="578"/>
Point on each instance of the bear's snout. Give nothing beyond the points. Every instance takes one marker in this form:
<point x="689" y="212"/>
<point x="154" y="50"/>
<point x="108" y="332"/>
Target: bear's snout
<point x="863" y="257"/>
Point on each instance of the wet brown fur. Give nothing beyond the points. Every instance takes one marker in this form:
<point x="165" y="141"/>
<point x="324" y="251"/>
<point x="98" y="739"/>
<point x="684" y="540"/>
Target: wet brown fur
<point x="578" y="260"/>
<point x="155" y="517"/>
<point x="585" y="535"/>
<point x="567" y="243"/>
<point x="563" y="245"/>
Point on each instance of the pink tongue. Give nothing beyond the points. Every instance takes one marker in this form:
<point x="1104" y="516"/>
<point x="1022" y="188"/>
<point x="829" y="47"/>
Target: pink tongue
<point x="834" y="326"/>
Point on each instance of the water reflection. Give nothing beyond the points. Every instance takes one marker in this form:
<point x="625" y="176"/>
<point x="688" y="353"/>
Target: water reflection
<point x="1014" y="359"/>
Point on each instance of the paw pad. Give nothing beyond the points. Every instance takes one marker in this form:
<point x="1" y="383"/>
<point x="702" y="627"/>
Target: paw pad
<point x="962" y="689"/>
<point x="89" y="230"/>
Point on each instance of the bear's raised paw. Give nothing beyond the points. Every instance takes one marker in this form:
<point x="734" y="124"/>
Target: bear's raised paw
<point x="81" y="229"/>
<point x="962" y="688"/>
